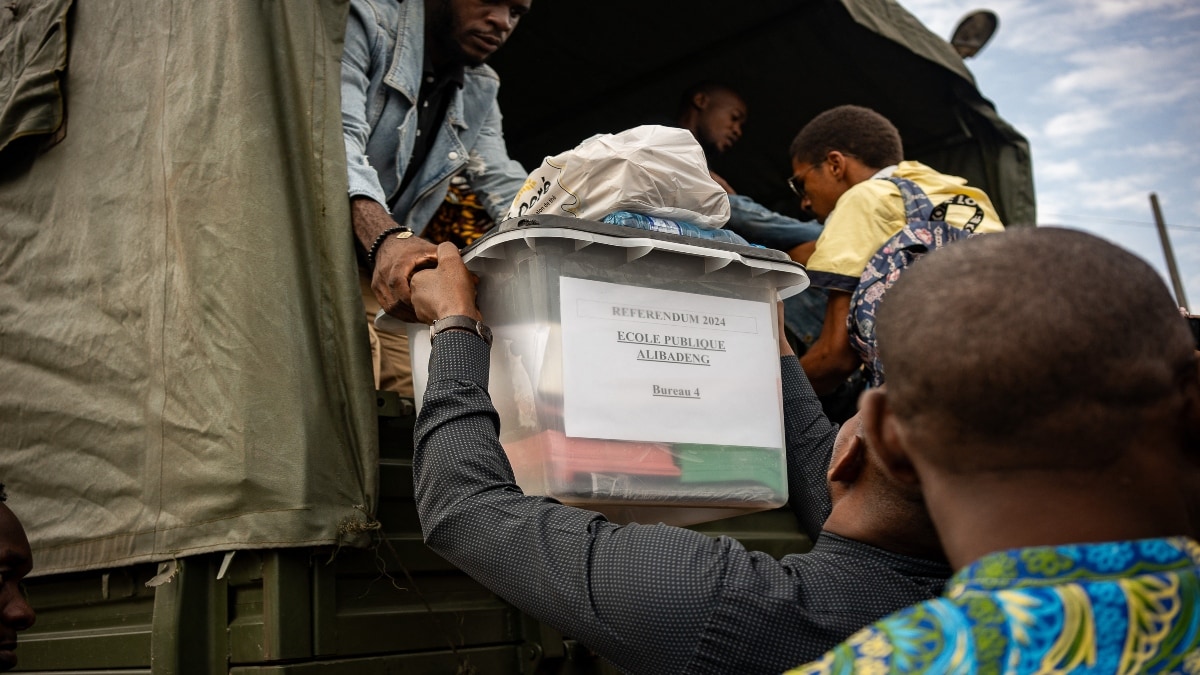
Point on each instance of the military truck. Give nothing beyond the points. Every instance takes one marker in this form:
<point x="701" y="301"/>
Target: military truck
<point x="188" y="427"/>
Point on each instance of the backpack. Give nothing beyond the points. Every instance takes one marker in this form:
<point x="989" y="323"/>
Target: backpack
<point x="926" y="229"/>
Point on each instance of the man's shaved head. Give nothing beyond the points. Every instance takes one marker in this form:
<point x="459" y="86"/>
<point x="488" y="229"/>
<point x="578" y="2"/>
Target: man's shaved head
<point x="1049" y="345"/>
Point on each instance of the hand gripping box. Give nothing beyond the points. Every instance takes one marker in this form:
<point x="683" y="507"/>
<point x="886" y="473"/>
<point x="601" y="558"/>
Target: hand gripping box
<point x="635" y="373"/>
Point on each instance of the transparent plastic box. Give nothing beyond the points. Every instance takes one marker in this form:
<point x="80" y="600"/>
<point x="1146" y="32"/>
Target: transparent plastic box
<point x="635" y="373"/>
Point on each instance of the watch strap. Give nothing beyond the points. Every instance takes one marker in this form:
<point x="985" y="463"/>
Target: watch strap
<point x="460" y="322"/>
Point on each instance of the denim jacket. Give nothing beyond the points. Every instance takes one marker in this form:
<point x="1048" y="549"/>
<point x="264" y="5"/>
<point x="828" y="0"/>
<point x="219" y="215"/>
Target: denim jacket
<point x="760" y="225"/>
<point x="381" y="78"/>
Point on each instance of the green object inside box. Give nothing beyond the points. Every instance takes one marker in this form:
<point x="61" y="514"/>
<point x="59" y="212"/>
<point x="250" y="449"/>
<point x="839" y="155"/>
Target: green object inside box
<point x="726" y="463"/>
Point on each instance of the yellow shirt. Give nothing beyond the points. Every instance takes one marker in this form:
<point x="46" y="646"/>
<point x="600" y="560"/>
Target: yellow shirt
<point x="870" y="213"/>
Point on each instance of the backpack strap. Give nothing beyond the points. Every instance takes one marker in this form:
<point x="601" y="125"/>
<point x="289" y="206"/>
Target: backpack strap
<point x="917" y="207"/>
<point x="926" y="229"/>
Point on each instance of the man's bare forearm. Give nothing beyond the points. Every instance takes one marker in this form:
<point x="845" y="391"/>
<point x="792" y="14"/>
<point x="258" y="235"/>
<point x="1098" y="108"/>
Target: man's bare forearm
<point x="395" y="258"/>
<point x="370" y="219"/>
<point x="828" y="365"/>
<point x="831" y="359"/>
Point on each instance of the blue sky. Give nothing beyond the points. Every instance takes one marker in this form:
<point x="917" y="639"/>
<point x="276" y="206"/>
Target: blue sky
<point x="1108" y="94"/>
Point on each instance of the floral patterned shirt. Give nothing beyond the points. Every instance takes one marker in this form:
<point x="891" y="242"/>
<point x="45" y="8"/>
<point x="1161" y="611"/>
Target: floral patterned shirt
<point x="1115" y="607"/>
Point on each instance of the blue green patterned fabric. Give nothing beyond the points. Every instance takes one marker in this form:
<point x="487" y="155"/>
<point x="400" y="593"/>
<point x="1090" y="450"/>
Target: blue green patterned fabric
<point x="1116" y="607"/>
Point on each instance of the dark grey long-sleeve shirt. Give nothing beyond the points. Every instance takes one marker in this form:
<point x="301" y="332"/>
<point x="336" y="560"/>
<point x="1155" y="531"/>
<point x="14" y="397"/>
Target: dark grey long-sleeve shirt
<point x="649" y="598"/>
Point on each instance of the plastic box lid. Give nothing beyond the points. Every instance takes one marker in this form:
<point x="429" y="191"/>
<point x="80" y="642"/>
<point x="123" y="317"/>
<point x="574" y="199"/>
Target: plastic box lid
<point x="790" y="277"/>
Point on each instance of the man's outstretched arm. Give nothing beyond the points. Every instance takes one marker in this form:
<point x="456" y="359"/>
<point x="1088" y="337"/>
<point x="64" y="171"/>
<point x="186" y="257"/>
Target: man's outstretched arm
<point x="640" y="595"/>
<point x="831" y="359"/>
<point x="809" y="437"/>
<point x="395" y="259"/>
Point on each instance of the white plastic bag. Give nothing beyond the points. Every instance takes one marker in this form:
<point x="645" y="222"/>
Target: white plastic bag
<point x="652" y="170"/>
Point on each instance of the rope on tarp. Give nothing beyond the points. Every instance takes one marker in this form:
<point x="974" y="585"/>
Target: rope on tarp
<point x="374" y="527"/>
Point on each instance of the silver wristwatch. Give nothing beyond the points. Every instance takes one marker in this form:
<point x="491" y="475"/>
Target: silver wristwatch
<point x="459" y="321"/>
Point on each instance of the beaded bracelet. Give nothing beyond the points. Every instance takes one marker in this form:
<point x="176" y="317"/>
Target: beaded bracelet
<point x="401" y="232"/>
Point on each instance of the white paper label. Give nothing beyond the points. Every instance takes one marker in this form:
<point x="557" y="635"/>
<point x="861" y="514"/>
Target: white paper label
<point x="642" y="364"/>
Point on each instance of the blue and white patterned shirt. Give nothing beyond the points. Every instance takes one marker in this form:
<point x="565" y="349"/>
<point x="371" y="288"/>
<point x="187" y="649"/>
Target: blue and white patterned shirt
<point x="1115" y="607"/>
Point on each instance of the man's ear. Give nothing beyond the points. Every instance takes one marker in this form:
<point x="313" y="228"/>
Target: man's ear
<point x="885" y="435"/>
<point x="837" y="163"/>
<point x="849" y="463"/>
<point x="700" y="100"/>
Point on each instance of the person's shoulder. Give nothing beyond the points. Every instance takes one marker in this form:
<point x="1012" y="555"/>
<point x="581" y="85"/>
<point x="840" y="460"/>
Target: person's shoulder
<point x="381" y="20"/>
<point x="870" y="198"/>
<point x="872" y="188"/>
<point x="483" y="73"/>
<point x="916" y="171"/>
<point x="932" y="181"/>
<point x="920" y="634"/>
<point x="941" y="186"/>
<point x="374" y="11"/>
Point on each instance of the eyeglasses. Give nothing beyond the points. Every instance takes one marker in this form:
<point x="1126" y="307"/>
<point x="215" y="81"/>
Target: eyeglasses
<point x="796" y="183"/>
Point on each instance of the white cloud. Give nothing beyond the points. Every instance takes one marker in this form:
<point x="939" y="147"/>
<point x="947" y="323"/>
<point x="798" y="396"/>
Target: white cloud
<point x="1159" y="151"/>
<point x="1072" y="128"/>
<point x="1039" y="28"/>
<point x="1128" y="76"/>
<point x="1101" y="199"/>
<point x="1100" y="70"/>
<point x="1117" y="86"/>
<point x="1110" y="11"/>
<point x="1115" y="194"/>
<point x="1187" y="11"/>
<point x="1058" y="171"/>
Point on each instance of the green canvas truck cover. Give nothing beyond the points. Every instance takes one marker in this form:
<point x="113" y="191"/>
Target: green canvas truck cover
<point x="183" y="356"/>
